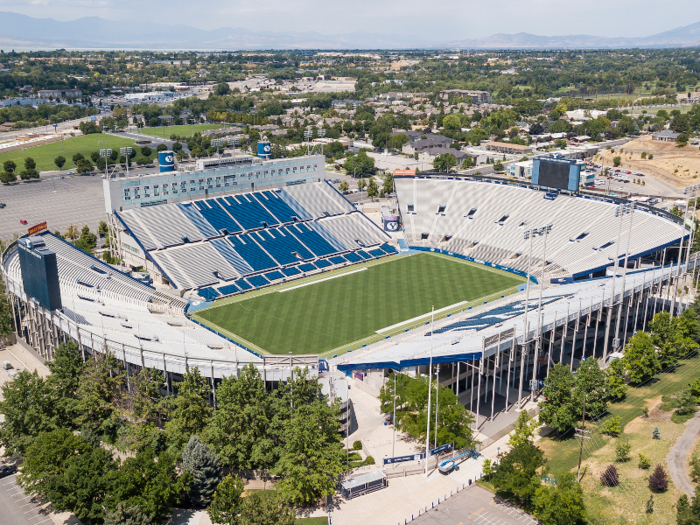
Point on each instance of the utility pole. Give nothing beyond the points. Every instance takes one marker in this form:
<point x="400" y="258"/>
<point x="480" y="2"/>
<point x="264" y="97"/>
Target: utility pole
<point x="393" y="420"/>
<point x="581" y="433"/>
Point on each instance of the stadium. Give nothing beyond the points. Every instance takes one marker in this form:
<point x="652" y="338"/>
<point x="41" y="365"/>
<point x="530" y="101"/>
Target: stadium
<point x="489" y="282"/>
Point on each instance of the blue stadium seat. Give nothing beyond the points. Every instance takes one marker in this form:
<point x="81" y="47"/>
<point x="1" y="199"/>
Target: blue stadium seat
<point x="208" y="293"/>
<point x="258" y="281"/>
<point x="308" y="267"/>
<point x="228" y="289"/>
<point x="387" y="248"/>
<point x="339" y="259"/>
<point x="243" y="285"/>
<point x="217" y="217"/>
<point x="291" y="271"/>
<point x="247" y="248"/>
<point x="282" y="245"/>
<point x="317" y="244"/>
<point x="273" y="276"/>
<point x="247" y="211"/>
<point x="364" y="254"/>
<point x="323" y="263"/>
<point x="276" y="205"/>
<point x="353" y="257"/>
<point x="376" y="253"/>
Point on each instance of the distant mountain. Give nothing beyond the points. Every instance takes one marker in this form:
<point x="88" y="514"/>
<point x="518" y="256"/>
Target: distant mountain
<point x="24" y="32"/>
<point x="687" y="36"/>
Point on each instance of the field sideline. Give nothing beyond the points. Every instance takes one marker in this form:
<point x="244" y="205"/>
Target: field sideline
<point x="333" y="315"/>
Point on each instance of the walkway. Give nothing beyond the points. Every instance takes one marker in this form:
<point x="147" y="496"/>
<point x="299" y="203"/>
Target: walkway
<point x="677" y="458"/>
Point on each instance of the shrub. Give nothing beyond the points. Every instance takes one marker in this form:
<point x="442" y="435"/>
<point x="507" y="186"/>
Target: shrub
<point x="357" y="445"/>
<point x="695" y="469"/>
<point x="644" y="462"/>
<point x="612" y="427"/>
<point x="650" y="156"/>
<point x="369" y="460"/>
<point x="610" y="477"/>
<point x="658" y="481"/>
<point x="655" y="433"/>
<point x="622" y="450"/>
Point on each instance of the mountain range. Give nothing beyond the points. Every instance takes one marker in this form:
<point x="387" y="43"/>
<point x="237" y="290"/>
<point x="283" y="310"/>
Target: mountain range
<point x="23" y="32"/>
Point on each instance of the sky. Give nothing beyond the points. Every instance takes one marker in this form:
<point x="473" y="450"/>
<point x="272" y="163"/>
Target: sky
<point x="435" y="21"/>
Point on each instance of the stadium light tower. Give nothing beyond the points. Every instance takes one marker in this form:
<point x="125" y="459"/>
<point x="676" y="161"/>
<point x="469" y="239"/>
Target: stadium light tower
<point x="430" y="378"/>
<point x="218" y="143"/>
<point x="127" y="157"/>
<point x="624" y="275"/>
<point x="307" y="137"/>
<point x="106" y="154"/>
<point x="621" y="211"/>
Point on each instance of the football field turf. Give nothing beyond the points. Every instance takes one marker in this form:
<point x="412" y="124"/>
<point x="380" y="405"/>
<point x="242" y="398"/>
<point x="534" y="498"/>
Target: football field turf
<point x="325" y="315"/>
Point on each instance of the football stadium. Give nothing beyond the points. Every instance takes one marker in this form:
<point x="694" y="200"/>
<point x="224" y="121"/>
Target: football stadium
<point x="262" y="261"/>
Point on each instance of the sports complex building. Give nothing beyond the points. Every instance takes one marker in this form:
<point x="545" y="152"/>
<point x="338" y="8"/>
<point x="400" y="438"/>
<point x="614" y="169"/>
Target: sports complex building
<point x="280" y="270"/>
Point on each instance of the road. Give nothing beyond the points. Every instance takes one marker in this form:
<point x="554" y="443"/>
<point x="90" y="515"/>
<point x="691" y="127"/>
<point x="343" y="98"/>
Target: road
<point x="677" y="458"/>
<point x="77" y="200"/>
<point x="17" y="507"/>
<point x="475" y="505"/>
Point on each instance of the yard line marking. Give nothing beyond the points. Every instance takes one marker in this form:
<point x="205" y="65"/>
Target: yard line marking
<point x="397" y="325"/>
<point x="321" y="280"/>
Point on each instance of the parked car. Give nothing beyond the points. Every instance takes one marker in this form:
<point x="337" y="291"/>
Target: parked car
<point x="7" y="470"/>
<point x="23" y="221"/>
<point x="2" y="205"/>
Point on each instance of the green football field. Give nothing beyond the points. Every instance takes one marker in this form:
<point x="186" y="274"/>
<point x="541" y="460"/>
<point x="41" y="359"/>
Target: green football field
<point x="329" y="314"/>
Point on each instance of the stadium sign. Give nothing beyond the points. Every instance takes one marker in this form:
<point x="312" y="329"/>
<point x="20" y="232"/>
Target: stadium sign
<point x="37" y="228"/>
<point x="442" y="448"/>
<point x="404" y="172"/>
<point x="401" y="459"/>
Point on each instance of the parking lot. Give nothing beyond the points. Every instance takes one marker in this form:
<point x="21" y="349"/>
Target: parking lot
<point x="17" y="507"/>
<point x="475" y="505"/>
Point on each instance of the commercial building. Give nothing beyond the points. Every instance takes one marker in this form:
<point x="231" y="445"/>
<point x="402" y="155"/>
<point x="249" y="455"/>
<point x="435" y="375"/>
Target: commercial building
<point x="60" y="93"/>
<point x="507" y="147"/>
<point x="478" y="97"/>
<point x="430" y="142"/>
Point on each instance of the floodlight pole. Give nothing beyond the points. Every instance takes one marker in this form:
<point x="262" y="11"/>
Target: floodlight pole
<point x="393" y="420"/>
<point x="529" y="234"/>
<point x="547" y="228"/>
<point x="674" y="292"/>
<point x="620" y="210"/>
<point x="430" y="377"/>
<point x="437" y="401"/>
<point x="624" y="275"/>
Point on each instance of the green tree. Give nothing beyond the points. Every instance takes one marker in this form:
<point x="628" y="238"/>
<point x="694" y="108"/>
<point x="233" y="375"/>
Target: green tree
<point x="515" y="477"/>
<point x="28" y="407"/>
<point x="498" y="167"/>
<point x="397" y="140"/>
<point x="77" y="157"/>
<point x="487" y="469"/>
<point x="616" y="373"/>
<point x="524" y="431"/>
<point x="372" y="188"/>
<point x="360" y="164"/>
<point x="190" y="412"/>
<point x="149" y="482"/>
<point x="343" y="187"/>
<point x="239" y="431"/>
<point x="641" y="360"/>
<point x="59" y="161"/>
<point x="66" y="370"/>
<point x="361" y="184"/>
<point x="225" y="506"/>
<point x="688" y="513"/>
<point x="84" y="166"/>
<point x="6" y="322"/>
<point x="388" y="185"/>
<point x="266" y="508"/>
<point x="222" y="88"/>
<point x="123" y="514"/>
<point x="98" y="389"/>
<point x="560" y="408"/>
<point x="682" y="140"/>
<point x="204" y="468"/>
<point x="29" y="171"/>
<point x="445" y="162"/>
<point x="9" y="166"/>
<point x="617" y="160"/>
<point x="591" y="384"/>
<point x="452" y="122"/>
<point x="560" y="505"/>
<point x="622" y="450"/>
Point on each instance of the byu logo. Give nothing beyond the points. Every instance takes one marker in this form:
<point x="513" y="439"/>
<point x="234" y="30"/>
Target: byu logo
<point x="267" y="148"/>
<point x="169" y="158"/>
<point x="392" y="226"/>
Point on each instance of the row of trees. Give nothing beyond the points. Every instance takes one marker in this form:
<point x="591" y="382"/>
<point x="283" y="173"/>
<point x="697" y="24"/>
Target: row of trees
<point x="9" y="171"/>
<point x="292" y="433"/>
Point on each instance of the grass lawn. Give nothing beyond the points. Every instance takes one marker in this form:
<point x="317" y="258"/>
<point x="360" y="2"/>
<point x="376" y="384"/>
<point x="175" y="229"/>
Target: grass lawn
<point x="322" y="520"/>
<point x="326" y="315"/>
<point x="44" y="155"/>
<point x="164" y="132"/>
<point x="612" y="505"/>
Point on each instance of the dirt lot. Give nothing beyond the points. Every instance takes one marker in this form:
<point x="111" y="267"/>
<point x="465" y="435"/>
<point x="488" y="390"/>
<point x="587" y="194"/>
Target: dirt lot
<point x="678" y="166"/>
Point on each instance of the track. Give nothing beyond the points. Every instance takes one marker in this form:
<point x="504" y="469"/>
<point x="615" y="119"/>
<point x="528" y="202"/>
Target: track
<point x="678" y="456"/>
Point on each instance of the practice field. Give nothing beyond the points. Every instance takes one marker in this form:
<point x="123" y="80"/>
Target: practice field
<point x="327" y="314"/>
<point x="164" y="132"/>
<point x="44" y="155"/>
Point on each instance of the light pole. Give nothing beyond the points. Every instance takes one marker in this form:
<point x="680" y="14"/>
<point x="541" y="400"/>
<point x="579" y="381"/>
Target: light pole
<point x="127" y="157"/>
<point x="538" y="344"/>
<point x="106" y="154"/>
<point x="393" y="421"/>
<point x="430" y="377"/>
<point x="624" y="275"/>
<point x="437" y="401"/>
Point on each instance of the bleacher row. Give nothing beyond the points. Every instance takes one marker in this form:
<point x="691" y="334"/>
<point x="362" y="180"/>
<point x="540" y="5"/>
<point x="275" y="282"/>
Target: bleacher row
<point x="486" y="220"/>
<point x="249" y="240"/>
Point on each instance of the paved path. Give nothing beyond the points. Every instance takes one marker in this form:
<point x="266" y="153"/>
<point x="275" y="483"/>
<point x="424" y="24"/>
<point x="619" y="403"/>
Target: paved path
<point x="677" y="458"/>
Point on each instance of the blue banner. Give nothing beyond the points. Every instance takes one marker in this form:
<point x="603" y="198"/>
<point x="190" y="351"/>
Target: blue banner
<point x="441" y="448"/>
<point x="401" y="459"/>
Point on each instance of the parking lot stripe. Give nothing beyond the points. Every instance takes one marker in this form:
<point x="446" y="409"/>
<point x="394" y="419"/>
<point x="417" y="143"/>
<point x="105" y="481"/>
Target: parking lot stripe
<point x="477" y="512"/>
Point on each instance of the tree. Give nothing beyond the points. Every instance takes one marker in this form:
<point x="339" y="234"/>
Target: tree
<point x="359" y="164"/>
<point x="560" y="408"/>
<point x="87" y="240"/>
<point x="487" y="468"/>
<point x="658" y="481"/>
<point x="515" y="478"/>
<point x="445" y="162"/>
<point x="239" y="431"/>
<point x="617" y="160"/>
<point x="343" y="187"/>
<point x="682" y="140"/>
<point x="84" y="166"/>
<point x="77" y="157"/>
<point x="123" y="514"/>
<point x="688" y="513"/>
<point x="686" y="404"/>
<point x="524" y="431"/>
<point x="191" y="411"/>
<point x="149" y="482"/>
<point x="29" y="171"/>
<point x="28" y="408"/>
<point x="644" y="462"/>
<point x="560" y="505"/>
<point x="98" y="389"/>
<point x="650" y="504"/>
<point x="6" y="321"/>
<point x="610" y="477"/>
<point x="372" y="188"/>
<point x="452" y="122"/>
<point x="146" y="151"/>
<point x="222" y="89"/>
<point x="9" y="166"/>
<point x="310" y="443"/>
<point x="622" y="450"/>
<point x="616" y="379"/>
<point x="72" y="232"/>
<point x="66" y="370"/>
<point x="361" y="184"/>
<point x="612" y="427"/>
<point x="655" y="434"/>
<point x="641" y="360"/>
<point x="388" y="185"/>
<point x="591" y="384"/>
<point x="397" y="140"/>
<point x="161" y="147"/>
<point x="266" y="508"/>
<point x="226" y="503"/>
<point x="204" y="467"/>
<point x="59" y="161"/>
